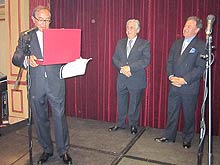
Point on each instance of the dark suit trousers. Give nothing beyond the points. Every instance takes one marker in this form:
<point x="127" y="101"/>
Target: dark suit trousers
<point x="134" y="96"/>
<point x="40" y="114"/>
<point x="175" y="100"/>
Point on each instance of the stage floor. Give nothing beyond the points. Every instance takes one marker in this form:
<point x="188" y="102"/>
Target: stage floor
<point x="93" y="144"/>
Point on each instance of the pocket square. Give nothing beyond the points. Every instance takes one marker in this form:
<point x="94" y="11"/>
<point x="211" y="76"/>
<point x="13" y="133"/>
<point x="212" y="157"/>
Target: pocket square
<point x="192" y="50"/>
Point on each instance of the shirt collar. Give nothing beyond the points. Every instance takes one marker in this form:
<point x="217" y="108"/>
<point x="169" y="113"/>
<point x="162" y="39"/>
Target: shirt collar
<point x="133" y="40"/>
<point x="189" y="39"/>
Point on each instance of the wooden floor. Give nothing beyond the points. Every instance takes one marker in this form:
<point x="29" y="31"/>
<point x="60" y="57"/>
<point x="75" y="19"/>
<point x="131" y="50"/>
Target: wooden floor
<point x="92" y="144"/>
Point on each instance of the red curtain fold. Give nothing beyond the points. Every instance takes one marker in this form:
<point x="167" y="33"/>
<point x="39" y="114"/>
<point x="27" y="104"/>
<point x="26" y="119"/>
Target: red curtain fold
<point x="93" y="96"/>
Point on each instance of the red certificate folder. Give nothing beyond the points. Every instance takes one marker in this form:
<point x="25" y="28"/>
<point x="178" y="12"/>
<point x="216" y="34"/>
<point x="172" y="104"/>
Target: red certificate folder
<point x="60" y="46"/>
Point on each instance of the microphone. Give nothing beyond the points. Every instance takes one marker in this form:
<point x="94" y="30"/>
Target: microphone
<point x="30" y="30"/>
<point x="210" y="21"/>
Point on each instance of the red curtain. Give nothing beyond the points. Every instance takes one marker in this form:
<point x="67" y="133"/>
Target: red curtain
<point x="93" y="96"/>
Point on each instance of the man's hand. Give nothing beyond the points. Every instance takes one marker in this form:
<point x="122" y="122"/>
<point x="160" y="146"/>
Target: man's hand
<point x="32" y="61"/>
<point x="177" y="81"/>
<point x="126" y="71"/>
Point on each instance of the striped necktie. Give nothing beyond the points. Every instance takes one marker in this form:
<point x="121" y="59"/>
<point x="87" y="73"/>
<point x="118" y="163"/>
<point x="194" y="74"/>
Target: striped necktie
<point x="129" y="47"/>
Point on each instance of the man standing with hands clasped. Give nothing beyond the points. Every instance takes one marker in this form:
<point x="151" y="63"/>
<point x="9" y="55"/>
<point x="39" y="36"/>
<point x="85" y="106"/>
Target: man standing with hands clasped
<point x="45" y="86"/>
<point x="184" y="69"/>
<point x="131" y="57"/>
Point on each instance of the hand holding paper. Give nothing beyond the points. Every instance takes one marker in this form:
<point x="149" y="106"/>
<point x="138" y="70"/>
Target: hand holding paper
<point x="74" y="68"/>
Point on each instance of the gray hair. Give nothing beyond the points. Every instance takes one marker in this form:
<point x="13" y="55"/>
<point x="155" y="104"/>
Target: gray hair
<point x="197" y="20"/>
<point x="137" y="22"/>
<point x="38" y="8"/>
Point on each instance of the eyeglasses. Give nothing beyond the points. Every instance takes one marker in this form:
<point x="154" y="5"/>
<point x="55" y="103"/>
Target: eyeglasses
<point x="41" y="20"/>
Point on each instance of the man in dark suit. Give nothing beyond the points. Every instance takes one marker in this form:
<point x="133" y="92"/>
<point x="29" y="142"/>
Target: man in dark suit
<point x="184" y="69"/>
<point x="131" y="57"/>
<point x="45" y="86"/>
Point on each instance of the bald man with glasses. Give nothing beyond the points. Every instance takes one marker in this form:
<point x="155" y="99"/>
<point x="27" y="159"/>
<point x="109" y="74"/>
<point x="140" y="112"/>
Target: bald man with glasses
<point x="45" y="86"/>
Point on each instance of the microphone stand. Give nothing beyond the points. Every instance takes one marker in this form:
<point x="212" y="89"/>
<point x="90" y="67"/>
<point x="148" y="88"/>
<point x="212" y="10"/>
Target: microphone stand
<point x="18" y="77"/>
<point x="207" y="91"/>
<point x="27" y="53"/>
<point x="210" y="97"/>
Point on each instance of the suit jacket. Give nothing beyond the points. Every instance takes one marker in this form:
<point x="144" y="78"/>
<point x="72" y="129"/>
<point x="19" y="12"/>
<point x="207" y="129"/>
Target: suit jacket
<point x="138" y="60"/>
<point x="37" y="75"/>
<point x="189" y="65"/>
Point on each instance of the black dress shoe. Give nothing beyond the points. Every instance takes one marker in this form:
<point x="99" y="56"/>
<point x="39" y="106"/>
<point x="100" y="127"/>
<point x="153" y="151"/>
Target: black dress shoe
<point x="163" y="140"/>
<point x="133" y="130"/>
<point x="66" y="159"/>
<point x="186" y="145"/>
<point x="114" y="128"/>
<point x="44" y="157"/>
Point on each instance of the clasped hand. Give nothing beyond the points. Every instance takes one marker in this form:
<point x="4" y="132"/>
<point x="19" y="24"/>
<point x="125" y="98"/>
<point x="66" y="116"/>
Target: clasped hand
<point x="177" y="81"/>
<point x="126" y="71"/>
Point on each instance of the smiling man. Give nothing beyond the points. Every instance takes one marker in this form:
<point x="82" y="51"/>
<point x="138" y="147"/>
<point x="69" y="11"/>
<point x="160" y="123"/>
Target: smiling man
<point x="184" y="69"/>
<point x="131" y="57"/>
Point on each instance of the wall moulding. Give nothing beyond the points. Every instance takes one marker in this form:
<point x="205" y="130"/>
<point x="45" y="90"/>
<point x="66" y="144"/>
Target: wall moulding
<point x="2" y="12"/>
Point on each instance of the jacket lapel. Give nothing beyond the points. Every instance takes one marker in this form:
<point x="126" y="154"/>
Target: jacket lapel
<point x="135" y="46"/>
<point x="35" y="44"/>
<point x="189" y="47"/>
<point x="186" y="51"/>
